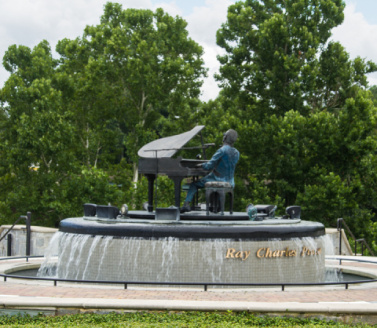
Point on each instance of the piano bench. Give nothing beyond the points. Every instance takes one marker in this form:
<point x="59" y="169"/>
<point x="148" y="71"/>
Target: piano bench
<point x="220" y="189"/>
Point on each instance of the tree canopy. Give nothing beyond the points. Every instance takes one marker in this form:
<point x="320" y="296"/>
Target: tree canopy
<point x="133" y="71"/>
<point x="303" y="106"/>
<point x="67" y="123"/>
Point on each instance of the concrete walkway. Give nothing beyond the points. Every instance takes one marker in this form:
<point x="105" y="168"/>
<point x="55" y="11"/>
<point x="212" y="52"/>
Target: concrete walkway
<point x="358" y="303"/>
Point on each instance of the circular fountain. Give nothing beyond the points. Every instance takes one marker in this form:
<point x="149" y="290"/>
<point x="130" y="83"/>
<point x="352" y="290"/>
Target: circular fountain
<point x="166" y="246"/>
<point x="195" y="248"/>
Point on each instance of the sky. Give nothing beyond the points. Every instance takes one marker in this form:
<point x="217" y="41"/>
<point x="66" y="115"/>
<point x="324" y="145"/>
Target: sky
<point x="28" y="22"/>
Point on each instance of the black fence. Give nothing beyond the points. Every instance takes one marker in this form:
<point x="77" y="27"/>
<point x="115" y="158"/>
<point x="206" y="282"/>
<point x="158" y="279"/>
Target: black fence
<point x="204" y="284"/>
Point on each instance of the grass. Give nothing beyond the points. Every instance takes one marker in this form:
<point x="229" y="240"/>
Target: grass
<point x="166" y="319"/>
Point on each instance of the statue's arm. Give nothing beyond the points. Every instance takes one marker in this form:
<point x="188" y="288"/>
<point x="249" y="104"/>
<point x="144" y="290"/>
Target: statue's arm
<point x="211" y="164"/>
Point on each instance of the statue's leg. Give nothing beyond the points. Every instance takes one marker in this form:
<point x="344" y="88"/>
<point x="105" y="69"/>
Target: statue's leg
<point x="191" y="192"/>
<point x="194" y="186"/>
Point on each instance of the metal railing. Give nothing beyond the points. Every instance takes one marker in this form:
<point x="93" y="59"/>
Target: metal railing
<point x="27" y="219"/>
<point x="340" y="222"/>
<point x="204" y="284"/>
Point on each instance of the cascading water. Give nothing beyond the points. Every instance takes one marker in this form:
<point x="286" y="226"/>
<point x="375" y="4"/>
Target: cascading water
<point x="89" y="258"/>
<point x="331" y="274"/>
<point x="174" y="259"/>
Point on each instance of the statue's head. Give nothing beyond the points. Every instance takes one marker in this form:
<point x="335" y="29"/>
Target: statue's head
<point x="230" y="137"/>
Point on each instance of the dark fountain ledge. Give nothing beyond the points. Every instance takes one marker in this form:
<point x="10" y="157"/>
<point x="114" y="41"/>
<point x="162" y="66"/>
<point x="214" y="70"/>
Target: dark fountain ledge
<point x="206" y="228"/>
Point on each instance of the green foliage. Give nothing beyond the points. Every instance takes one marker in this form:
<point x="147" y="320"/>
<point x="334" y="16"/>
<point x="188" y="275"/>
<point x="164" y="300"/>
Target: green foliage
<point x="373" y="90"/>
<point x="169" y="319"/>
<point x="272" y="49"/>
<point x="70" y="128"/>
<point x="306" y="123"/>
<point x="322" y="161"/>
<point x="137" y="68"/>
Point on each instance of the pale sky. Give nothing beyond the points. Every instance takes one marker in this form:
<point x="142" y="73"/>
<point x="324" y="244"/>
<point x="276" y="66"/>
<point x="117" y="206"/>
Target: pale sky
<point x="28" y="22"/>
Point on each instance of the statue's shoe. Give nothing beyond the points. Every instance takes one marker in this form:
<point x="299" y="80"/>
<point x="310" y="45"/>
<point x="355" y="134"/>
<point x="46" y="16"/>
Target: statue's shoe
<point x="184" y="209"/>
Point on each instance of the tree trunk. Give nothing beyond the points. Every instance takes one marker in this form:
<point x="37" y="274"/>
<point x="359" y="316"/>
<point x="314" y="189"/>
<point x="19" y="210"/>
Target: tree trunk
<point x="136" y="173"/>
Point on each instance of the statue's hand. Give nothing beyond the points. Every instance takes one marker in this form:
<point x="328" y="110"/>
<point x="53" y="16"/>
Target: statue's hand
<point x="198" y="165"/>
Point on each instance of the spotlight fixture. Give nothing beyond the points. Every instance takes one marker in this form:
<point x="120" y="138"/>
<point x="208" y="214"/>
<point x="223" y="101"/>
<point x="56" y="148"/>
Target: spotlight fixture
<point x="90" y="210"/>
<point x="294" y="212"/>
<point x="124" y="210"/>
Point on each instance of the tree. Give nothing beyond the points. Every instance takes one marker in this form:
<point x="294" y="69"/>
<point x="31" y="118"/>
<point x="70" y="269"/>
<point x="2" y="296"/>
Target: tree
<point x="373" y="90"/>
<point x="306" y="122"/>
<point x="272" y="63"/>
<point x="137" y="67"/>
<point x="35" y="132"/>
<point x="70" y="127"/>
<point x="41" y="169"/>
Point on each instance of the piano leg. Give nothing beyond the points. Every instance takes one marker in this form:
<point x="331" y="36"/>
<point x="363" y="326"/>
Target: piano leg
<point x="177" y="190"/>
<point x="151" y="178"/>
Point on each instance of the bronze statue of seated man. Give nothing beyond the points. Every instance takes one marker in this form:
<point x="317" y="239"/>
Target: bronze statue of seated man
<point x="222" y="166"/>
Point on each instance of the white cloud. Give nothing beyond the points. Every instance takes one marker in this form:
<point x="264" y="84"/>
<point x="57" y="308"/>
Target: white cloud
<point x="358" y="37"/>
<point x="203" y="24"/>
<point x="205" y="20"/>
<point x="28" y="22"/>
<point x="210" y="87"/>
<point x="169" y="7"/>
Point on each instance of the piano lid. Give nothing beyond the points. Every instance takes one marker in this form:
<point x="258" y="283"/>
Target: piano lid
<point x="167" y="147"/>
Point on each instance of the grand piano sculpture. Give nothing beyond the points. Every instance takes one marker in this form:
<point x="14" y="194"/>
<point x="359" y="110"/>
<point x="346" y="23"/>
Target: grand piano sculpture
<point x="156" y="158"/>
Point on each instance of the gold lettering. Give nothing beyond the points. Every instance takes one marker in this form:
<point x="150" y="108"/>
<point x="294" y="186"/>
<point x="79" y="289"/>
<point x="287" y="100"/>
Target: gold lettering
<point x="259" y="255"/>
<point x="243" y="255"/>
<point x="268" y="252"/>
<point x="276" y="254"/>
<point x="230" y="253"/>
<point x="246" y="253"/>
<point x="310" y="252"/>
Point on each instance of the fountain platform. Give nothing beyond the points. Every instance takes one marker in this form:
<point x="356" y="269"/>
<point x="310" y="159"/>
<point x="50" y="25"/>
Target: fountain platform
<point x="194" y="226"/>
<point x="196" y="248"/>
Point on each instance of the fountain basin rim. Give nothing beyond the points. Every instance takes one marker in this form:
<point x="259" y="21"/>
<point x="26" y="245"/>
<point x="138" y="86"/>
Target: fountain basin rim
<point x="194" y="230"/>
<point x="275" y="221"/>
<point x="13" y="270"/>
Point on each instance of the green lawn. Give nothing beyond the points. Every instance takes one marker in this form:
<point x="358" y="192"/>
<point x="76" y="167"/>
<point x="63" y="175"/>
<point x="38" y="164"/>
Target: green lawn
<point x="165" y="319"/>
